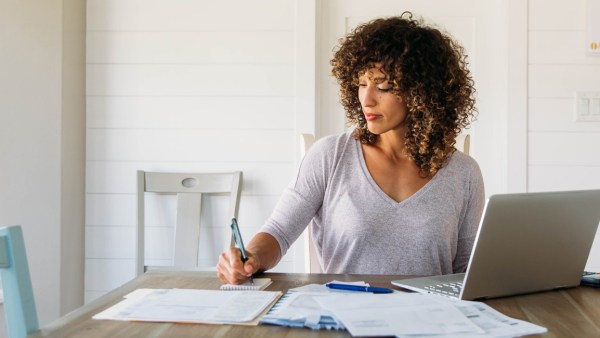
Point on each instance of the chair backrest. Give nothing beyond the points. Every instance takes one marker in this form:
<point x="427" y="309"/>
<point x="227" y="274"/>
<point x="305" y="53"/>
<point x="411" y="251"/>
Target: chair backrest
<point x="189" y="189"/>
<point x="463" y="143"/>
<point x="19" y="305"/>
<point x="311" y="258"/>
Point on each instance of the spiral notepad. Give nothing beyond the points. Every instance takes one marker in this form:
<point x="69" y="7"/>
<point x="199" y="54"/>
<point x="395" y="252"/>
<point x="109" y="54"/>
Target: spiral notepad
<point x="259" y="284"/>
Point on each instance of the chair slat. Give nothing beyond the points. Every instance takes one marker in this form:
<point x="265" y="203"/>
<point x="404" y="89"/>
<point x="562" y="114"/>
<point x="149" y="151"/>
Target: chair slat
<point x="187" y="231"/>
<point x="173" y="182"/>
<point x="19" y="304"/>
<point x="4" y="257"/>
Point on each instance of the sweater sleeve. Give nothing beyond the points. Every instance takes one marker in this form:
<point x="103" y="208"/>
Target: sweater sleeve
<point x="469" y="222"/>
<point x="302" y="199"/>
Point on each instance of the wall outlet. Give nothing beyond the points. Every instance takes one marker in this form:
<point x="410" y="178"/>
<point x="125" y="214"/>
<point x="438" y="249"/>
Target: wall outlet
<point x="587" y="106"/>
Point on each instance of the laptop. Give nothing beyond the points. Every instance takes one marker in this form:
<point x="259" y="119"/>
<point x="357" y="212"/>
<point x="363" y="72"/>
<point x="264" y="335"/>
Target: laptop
<point x="526" y="243"/>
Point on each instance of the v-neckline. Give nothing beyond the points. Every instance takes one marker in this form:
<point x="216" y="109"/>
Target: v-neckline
<point x="380" y="191"/>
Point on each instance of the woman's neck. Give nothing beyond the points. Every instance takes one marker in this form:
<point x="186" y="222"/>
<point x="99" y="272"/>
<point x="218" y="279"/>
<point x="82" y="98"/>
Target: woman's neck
<point x="392" y="144"/>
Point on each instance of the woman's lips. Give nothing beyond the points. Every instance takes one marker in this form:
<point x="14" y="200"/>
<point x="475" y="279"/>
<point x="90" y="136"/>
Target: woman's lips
<point x="371" y="117"/>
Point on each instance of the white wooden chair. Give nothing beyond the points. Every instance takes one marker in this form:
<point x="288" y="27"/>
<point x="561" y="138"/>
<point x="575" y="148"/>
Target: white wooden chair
<point x="311" y="258"/>
<point x="189" y="189"/>
<point x="463" y="143"/>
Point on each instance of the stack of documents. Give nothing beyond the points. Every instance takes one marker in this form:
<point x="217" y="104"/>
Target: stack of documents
<point x="318" y="307"/>
<point x="422" y="315"/>
<point x="398" y="314"/>
<point x="192" y="306"/>
<point x="300" y="309"/>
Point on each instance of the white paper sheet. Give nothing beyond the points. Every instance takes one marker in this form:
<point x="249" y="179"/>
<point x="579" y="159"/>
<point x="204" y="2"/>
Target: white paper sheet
<point x="298" y="308"/>
<point x="494" y="323"/>
<point x="191" y="305"/>
<point x="422" y="315"/>
<point x="369" y="315"/>
<point x="302" y="306"/>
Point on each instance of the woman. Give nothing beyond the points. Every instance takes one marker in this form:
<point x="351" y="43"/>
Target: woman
<point x="391" y="196"/>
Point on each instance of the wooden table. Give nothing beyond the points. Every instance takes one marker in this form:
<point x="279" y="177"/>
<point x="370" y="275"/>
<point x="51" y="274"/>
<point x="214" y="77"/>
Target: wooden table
<point x="566" y="313"/>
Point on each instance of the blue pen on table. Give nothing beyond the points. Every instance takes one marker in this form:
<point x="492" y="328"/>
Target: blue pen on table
<point x="237" y="237"/>
<point x="350" y="287"/>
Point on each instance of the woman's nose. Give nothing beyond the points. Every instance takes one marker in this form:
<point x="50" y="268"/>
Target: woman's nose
<point x="368" y="97"/>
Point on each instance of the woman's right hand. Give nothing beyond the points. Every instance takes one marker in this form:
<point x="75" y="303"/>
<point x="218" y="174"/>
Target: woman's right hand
<point x="231" y="269"/>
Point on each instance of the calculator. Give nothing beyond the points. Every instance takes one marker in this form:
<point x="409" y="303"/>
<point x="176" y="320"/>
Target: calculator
<point x="591" y="279"/>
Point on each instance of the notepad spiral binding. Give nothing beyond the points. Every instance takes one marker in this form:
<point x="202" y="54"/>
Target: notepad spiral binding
<point x="259" y="284"/>
<point x="231" y="287"/>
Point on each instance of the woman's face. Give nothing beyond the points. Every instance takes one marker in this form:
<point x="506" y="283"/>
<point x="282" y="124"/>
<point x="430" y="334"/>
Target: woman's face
<point x="383" y="110"/>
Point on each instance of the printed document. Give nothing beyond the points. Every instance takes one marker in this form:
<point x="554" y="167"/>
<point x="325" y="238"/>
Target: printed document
<point x="298" y="308"/>
<point x="370" y="315"/>
<point x="192" y="306"/>
<point x="407" y="315"/>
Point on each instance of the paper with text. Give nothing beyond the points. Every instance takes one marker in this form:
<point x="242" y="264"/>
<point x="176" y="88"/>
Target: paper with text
<point x="369" y="315"/>
<point x="192" y="306"/>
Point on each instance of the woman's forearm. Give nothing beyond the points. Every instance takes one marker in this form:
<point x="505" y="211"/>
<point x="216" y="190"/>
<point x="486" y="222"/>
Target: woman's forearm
<point x="265" y="248"/>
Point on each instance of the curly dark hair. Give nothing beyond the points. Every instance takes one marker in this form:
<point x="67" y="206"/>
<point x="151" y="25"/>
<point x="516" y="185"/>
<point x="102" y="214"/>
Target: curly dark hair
<point x="426" y="68"/>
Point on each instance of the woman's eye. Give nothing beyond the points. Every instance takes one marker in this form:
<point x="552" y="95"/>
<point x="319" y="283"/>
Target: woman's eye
<point x="385" y="89"/>
<point x="362" y="84"/>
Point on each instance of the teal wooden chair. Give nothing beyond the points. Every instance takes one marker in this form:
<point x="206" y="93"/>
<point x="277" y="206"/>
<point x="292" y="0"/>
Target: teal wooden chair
<point x="19" y="305"/>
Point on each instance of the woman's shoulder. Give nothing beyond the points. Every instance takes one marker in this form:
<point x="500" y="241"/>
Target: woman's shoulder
<point x="462" y="158"/>
<point x="461" y="173"/>
<point x="464" y="164"/>
<point x="334" y="143"/>
<point x="337" y="138"/>
<point x="329" y="150"/>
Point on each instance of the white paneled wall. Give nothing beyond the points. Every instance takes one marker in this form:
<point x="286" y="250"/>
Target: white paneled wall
<point x="562" y="154"/>
<point x="203" y="86"/>
<point x="186" y="86"/>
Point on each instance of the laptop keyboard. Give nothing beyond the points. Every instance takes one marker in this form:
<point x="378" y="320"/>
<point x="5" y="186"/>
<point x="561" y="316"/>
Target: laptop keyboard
<point x="448" y="289"/>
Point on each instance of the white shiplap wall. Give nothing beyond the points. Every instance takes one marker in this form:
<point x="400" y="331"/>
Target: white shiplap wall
<point x="189" y="86"/>
<point x="562" y="154"/>
<point x="192" y="85"/>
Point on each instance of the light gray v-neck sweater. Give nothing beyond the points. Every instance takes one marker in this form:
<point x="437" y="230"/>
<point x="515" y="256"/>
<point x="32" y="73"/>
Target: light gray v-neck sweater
<point x="359" y="229"/>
